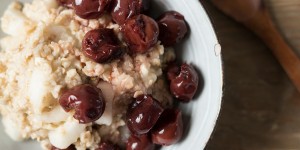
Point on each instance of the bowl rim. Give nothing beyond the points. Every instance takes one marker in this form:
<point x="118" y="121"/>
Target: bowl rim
<point x="217" y="50"/>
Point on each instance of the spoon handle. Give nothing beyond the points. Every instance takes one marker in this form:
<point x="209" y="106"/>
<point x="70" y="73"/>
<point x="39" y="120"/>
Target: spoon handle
<point x="264" y="27"/>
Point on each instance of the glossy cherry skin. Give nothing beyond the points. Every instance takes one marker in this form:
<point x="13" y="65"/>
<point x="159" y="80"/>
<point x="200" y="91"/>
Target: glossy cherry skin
<point x="139" y="142"/>
<point x="172" y="71"/>
<point x="142" y="114"/>
<point x="140" y="33"/>
<point x="102" y="45"/>
<point x="185" y="84"/>
<point x="168" y="129"/>
<point x="125" y="9"/>
<point x="107" y="146"/>
<point x="87" y="101"/>
<point x="66" y="3"/>
<point x="173" y="28"/>
<point x="72" y="147"/>
<point x="91" y="9"/>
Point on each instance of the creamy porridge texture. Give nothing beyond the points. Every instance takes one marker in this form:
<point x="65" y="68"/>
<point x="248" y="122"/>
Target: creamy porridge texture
<point x="44" y="65"/>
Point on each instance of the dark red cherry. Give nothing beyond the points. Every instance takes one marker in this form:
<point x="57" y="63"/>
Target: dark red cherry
<point x="125" y="9"/>
<point x="173" y="28"/>
<point x="185" y="84"/>
<point x="168" y="129"/>
<point x="107" y="146"/>
<point x="172" y="71"/>
<point x="139" y="142"/>
<point x="143" y="113"/>
<point x="91" y="9"/>
<point x="102" y="45"/>
<point x="140" y="33"/>
<point x="86" y="100"/>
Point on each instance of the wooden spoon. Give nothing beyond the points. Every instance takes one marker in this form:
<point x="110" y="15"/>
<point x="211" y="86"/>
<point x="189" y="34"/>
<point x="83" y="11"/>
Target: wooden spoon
<point x="254" y="15"/>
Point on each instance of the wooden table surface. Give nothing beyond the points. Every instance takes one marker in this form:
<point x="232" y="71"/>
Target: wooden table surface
<point x="261" y="108"/>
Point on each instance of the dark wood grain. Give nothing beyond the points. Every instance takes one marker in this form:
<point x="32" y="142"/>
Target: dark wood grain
<point x="287" y="18"/>
<point x="261" y="108"/>
<point x="256" y="16"/>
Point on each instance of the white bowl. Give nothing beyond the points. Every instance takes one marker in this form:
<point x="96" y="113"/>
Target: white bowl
<point x="201" y="48"/>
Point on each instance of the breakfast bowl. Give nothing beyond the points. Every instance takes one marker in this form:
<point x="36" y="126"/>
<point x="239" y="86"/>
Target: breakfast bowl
<point x="200" y="48"/>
